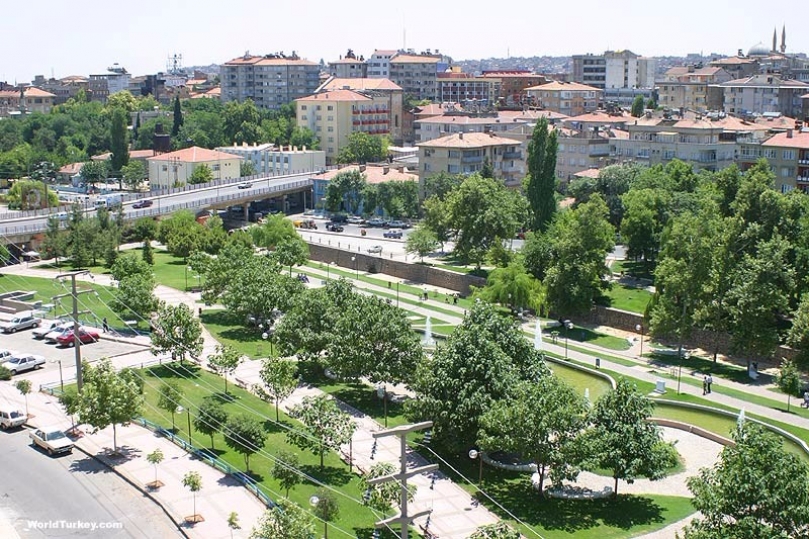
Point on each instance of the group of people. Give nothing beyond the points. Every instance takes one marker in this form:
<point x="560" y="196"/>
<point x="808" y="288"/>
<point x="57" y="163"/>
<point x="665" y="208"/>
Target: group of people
<point x="707" y="380"/>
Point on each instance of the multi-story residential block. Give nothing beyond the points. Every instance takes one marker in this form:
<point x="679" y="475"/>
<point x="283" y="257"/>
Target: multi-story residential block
<point x="269" y="81"/>
<point x="336" y="114"/>
<point x="738" y="67"/>
<point x="587" y="141"/>
<point x="687" y="87"/>
<point x="63" y="89"/>
<point x="175" y="168"/>
<point x="349" y="67"/>
<point x="569" y="98"/>
<point x="624" y="97"/>
<point x="374" y="174"/>
<point x="458" y="121"/>
<point x="115" y="80"/>
<point x="763" y="93"/>
<point x="590" y="69"/>
<point x="25" y="100"/>
<point x="614" y="69"/>
<point x="788" y="155"/>
<point x="465" y="153"/>
<point x="383" y="87"/>
<point x="514" y="83"/>
<point x="270" y="160"/>
<point x="465" y="88"/>
<point x="417" y="74"/>
<point x="379" y="64"/>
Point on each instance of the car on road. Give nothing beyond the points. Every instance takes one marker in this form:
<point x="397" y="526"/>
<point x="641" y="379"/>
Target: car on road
<point x="354" y="220"/>
<point x="6" y="354"/>
<point x="392" y="234"/>
<point x="398" y="224"/>
<point x="57" y="331"/>
<point x="24" y="362"/>
<point x="145" y="203"/>
<point x="11" y="417"/>
<point x="51" y="439"/>
<point x="19" y="322"/>
<point x="86" y="336"/>
<point x="45" y="327"/>
<point x="375" y="249"/>
<point x="376" y="222"/>
<point x="245" y="185"/>
<point x="334" y="227"/>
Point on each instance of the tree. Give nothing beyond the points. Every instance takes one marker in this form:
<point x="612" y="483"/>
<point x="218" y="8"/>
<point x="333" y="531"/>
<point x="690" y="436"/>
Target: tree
<point x="487" y="171"/>
<point x="285" y="470"/>
<point x="178" y="117"/>
<point x="233" y="522"/>
<point x="246" y="435"/>
<point x="134" y="173"/>
<point x="69" y="399"/>
<point x="437" y="219"/>
<point x="540" y="421"/>
<point x="176" y="331"/>
<point x="515" y="287"/>
<point x="54" y="245"/>
<point x="541" y="180"/>
<point x="325" y="426"/>
<point x="134" y="296"/>
<point x="107" y="398"/>
<point x="275" y="229"/>
<point x="440" y="184"/>
<point x="637" y="107"/>
<point x="284" y="521"/>
<point x="757" y="489"/>
<point x="224" y="361"/>
<point x="382" y="496"/>
<point x="24" y="387"/>
<point x="500" y="530"/>
<point x="345" y="191"/>
<point x="155" y="458"/>
<point x="279" y="378"/>
<point x="326" y="509"/>
<point x="291" y="252"/>
<point x="94" y="172"/>
<point x="421" y="242"/>
<point x="5" y="255"/>
<point x="30" y="195"/>
<point x="362" y="148"/>
<point x="183" y="243"/>
<point x="622" y="439"/>
<point x="799" y="333"/>
<point x="193" y="482"/>
<point x="147" y="252"/>
<point x="122" y="100"/>
<point x="119" y="143"/>
<point x="144" y="228"/>
<point x="169" y="397"/>
<point x="247" y="168"/>
<point x="789" y="379"/>
<point x="202" y="174"/>
<point x="211" y="417"/>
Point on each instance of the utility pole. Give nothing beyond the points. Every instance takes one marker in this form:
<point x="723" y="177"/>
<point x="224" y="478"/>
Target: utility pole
<point x="403" y="519"/>
<point x="74" y="293"/>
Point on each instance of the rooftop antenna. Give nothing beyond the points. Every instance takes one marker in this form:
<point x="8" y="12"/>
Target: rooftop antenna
<point x="404" y="33"/>
<point x="174" y="65"/>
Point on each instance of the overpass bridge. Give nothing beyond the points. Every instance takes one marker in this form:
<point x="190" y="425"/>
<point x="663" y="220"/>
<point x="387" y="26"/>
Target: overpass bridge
<point x="20" y="228"/>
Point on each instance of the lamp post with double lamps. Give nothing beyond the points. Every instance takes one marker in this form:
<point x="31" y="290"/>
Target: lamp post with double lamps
<point x="568" y="326"/>
<point x="639" y="329"/>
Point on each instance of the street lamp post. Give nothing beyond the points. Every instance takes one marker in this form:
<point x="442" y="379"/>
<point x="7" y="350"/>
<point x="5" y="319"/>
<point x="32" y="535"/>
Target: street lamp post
<point x="397" y="293"/>
<point x="382" y="393"/>
<point x="639" y="328"/>
<point x="186" y="278"/>
<point x="475" y="454"/>
<point x="267" y="335"/>
<point x="568" y="326"/>
<point x="356" y="266"/>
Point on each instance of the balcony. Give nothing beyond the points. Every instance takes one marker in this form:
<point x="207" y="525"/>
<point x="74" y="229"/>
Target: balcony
<point x="802" y="179"/>
<point x="512" y="155"/>
<point x="472" y="159"/>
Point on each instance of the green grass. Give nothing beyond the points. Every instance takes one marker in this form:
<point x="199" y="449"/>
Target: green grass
<point x="627" y="298"/>
<point x="197" y="384"/>
<point x="581" y="380"/>
<point x="641" y="270"/>
<point x="46" y="289"/>
<point x="580" y="334"/>
<point x="247" y="341"/>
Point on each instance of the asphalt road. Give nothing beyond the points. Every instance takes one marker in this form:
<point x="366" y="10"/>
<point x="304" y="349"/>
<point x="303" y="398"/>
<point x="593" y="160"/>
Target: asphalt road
<point x="37" y="491"/>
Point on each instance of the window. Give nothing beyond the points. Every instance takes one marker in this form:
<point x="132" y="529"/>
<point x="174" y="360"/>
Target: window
<point x="330" y="118"/>
<point x="303" y="107"/>
<point x="330" y="107"/>
<point x="331" y="139"/>
<point x="789" y="155"/>
<point x="215" y="167"/>
<point x="304" y="117"/>
<point x="770" y="154"/>
<point x="331" y="129"/>
<point x="787" y="172"/>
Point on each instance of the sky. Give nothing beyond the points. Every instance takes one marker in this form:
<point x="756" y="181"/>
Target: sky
<point x="81" y="37"/>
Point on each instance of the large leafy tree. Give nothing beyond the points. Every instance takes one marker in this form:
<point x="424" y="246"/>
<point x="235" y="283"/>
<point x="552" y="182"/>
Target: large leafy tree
<point x="541" y="180"/>
<point x="202" y="174"/>
<point x="540" y="421"/>
<point x="279" y="379"/>
<point x="345" y="190"/>
<point x="284" y="521"/>
<point x="176" y="331"/>
<point x="286" y="470"/>
<point x="515" y="287"/>
<point x="275" y="229"/>
<point x="421" y="242"/>
<point x="246" y="435"/>
<point x="757" y="489"/>
<point x="621" y="438"/>
<point x="94" y="172"/>
<point x="211" y="417"/>
<point x="119" y="140"/>
<point x="134" y="174"/>
<point x="799" y="333"/>
<point x="325" y="426"/>
<point x="134" y="296"/>
<point x="225" y="361"/>
<point x="637" y="107"/>
<point x="437" y="219"/>
<point x="362" y="148"/>
<point x="382" y="496"/>
<point x="30" y="195"/>
<point x="500" y="530"/>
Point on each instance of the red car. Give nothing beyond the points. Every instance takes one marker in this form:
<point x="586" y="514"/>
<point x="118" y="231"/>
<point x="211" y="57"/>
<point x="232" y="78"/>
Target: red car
<point x="86" y="336"/>
<point x="146" y="203"/>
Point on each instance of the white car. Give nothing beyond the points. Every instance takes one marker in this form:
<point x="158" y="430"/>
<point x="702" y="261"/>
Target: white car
<point x="51" y="439"/>
<point x="11" y="417"/>
<point x="376" y="249"/>
<point x="46" y="326"/>
<point x="55" y="333"/>
<point x="354" y="220"/>
<point x="24" y="362"/>
<point x="19" y="322"/>
<point x="5" y="355"/>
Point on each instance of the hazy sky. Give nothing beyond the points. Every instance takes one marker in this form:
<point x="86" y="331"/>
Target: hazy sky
<point x="86" y="36"/>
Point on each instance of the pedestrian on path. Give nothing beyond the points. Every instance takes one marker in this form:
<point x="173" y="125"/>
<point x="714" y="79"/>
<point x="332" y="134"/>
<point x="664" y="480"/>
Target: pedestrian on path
<point x="105" y="326"/>
<point x="709" y="380"/>
<point x="805" y="399"/>
<point x="705" y="385"/>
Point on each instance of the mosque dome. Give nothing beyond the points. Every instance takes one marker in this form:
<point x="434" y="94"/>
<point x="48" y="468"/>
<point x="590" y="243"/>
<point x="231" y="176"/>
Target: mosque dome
<point x="759" y="49"/>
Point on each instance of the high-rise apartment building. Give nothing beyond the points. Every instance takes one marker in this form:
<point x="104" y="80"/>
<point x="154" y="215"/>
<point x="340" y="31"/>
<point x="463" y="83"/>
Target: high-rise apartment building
<point x="614" y="69"/>
<point x="269" y="81"/>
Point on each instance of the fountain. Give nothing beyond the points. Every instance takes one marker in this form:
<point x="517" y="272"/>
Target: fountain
<point x="428" y="333"/>
<point x="740" y="420"/>
<point x="538" y="337"/>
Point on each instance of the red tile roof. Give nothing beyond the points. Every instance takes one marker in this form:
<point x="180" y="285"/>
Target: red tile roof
<point x="30" y="91"/>
<point x="195" y="154"/>
<point x="361" y="84"/>
<point x="799" y="139"/>
<point x="469" y="140"/>
<point x="373" y="174"/>
<point x="336" y="95"/>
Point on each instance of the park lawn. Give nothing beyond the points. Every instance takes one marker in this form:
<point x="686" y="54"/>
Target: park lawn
<point x="46" y="289"/>
<point x="580" y="380"/>
<point x="627" y="298"/>
<point x="580" y="334"/>
<point x="197" y="384"/>
<point x="246" y="341"/>
<point x="641" y="270"/>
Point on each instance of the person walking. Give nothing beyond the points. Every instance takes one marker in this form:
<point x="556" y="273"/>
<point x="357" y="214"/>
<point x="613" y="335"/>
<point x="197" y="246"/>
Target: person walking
<point x="709" y="380"/>
<point x="105" y="326"/>
<point x="705" y="385"/>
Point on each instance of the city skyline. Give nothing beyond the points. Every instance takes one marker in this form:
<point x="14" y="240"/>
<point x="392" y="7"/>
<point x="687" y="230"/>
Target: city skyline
<point x="150" y="32"/>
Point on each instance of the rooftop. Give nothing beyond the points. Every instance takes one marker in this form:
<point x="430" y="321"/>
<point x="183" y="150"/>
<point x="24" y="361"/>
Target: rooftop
<point x="557" y="86"/>
<point x="335" y="95"/>
<point x="765" y="81"/>
<point x="194" y="154"/>
<point x="359" y="84"/>
<point x="798" y="139"/>
<point x="414" y="59"/>
<point x="373" y="173"/>
<point x="469" y="140"/>
<point x="30" y="91"/>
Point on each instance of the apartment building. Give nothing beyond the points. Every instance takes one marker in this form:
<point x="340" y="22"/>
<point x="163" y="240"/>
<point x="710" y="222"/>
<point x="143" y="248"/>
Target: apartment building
<point x="763" y="93"/>
<point x="269" y="81"/>
<point x="614" y="69"/>
<point x="384" y="87"/>
<point x="587" y="141"/>
<point x="514" y="83"/>
<point x="458" y="121"/>
<point x="270" y="160"/>
<point x="788" y="155"/>
<point x="568" y="98"/>
<point x="103" y="85"/>
<point x="465" y="153"/>
<point x="336" y="114"/>
<point x="457" y="87"/>
<point x="349" y="67"/>
<point x="379" y="64"/>
<point x="687" y="87"/>
<point x="25" y="100"/>
<point x="417" y="74"/>
<point x="738" y="67"/>
<point x="175" y="168"/>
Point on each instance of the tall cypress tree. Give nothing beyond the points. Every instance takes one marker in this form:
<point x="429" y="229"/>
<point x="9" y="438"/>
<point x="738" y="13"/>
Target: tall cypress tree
<point x="178" y="117"/>
<point x="118" y="140"/>
<point x="541" y="186"/>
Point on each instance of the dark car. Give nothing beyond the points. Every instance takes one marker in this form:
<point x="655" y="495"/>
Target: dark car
<point x="334" y="227"/>
<point x="146" y="203"/>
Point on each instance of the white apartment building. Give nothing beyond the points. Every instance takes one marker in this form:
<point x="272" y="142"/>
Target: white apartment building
<point x="270" y="160"/>
<point x="614" y="69"/>
<point x="761" y="94"/>
<point x="379" y="64"/>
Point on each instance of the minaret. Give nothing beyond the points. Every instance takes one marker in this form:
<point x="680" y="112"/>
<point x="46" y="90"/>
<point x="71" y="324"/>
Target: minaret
<point x="784" y="39"/>
<point x="774" y="40"/>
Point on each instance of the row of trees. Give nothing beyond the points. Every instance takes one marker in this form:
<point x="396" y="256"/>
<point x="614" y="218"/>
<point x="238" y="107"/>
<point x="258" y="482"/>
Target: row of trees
<point x="349" y="191"/>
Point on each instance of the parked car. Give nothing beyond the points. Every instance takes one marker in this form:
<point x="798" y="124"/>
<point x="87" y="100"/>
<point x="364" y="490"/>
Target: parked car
<point x="376" y="221"/>
<point x="24" y="362"/>
<point x="245" y="185"/>
<point x="375" y="249"/>
<point x="58" y="331"/>
<point x="11" y="417"/>
<point x="5" y="355"/>
<point x="334" y="227"/>
<point x="86" y="336"/>
<point x="145" y="203"/>
<point x="398" y="224"/>
<point x="45" y="327"/>
<point x="20" y="322"/>
<point x="354" y="220"/>
<point x="51" y="439"/>
<point x="392" y="234"/>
